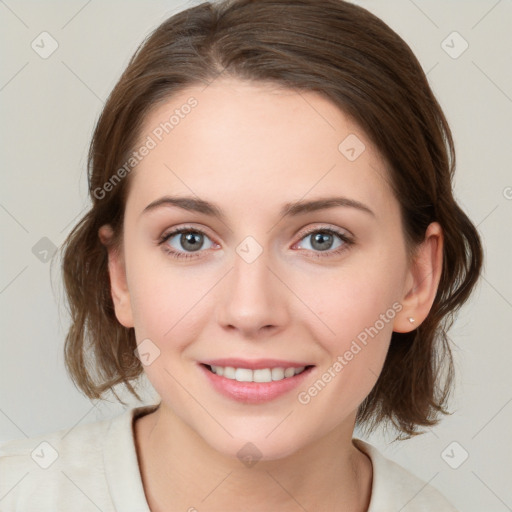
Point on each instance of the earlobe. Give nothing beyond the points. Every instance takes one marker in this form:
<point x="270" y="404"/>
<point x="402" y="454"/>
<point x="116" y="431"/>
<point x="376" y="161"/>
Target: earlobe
<point x="118" y="282"/>
<point x="422" y="281"/>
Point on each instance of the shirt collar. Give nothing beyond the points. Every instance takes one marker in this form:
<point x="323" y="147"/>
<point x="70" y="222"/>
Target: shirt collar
<point x="122" y="470"/>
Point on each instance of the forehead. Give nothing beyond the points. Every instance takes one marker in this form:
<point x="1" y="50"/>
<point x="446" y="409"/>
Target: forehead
<point x="255" y="144"/>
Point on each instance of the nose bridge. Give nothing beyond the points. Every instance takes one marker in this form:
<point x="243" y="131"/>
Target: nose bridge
<point x="252" y="297"/>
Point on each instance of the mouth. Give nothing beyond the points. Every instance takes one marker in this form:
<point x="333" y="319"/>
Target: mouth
<point x="270" y="380"/>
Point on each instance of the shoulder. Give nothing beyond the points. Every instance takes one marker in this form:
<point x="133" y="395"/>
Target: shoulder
<point x="63" y="470"/>
<point x="395" y="488"/>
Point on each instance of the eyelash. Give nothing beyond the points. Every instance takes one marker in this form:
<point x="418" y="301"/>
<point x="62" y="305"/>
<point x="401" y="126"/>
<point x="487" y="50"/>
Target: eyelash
<point x="347" y="242"/>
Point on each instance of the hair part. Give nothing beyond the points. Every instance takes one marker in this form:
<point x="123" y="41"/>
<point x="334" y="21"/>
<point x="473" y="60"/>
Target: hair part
<point x="355" y="60"/>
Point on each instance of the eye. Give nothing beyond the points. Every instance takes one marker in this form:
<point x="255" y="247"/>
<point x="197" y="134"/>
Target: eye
<point x="181" y="242"/>
<point x="328" y="241"/>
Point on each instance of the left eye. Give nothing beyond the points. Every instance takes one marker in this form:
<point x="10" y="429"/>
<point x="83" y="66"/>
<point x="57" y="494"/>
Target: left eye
<point x="323" y="239"/>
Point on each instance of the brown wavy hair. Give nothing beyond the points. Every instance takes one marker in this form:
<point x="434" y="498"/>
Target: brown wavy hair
<point x="355" y="60"/>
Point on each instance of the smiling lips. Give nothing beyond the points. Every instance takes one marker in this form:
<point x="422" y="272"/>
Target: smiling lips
<point x="254" y="381"/>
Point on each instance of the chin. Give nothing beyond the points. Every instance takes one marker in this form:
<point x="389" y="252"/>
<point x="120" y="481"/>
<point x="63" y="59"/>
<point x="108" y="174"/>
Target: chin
<point x="253" y="445"/>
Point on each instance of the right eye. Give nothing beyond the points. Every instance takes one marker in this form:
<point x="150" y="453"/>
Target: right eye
<point x="183" y="242"/>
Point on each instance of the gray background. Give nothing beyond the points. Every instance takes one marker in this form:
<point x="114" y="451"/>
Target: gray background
<point x="49" y="108"/>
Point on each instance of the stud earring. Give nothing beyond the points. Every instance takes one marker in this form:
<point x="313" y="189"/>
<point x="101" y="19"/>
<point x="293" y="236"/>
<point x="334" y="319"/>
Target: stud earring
<point x="411" y="319"/>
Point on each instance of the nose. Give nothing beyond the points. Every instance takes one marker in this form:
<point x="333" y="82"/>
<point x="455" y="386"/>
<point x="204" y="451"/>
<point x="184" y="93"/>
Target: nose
<point x="254" y="300"/>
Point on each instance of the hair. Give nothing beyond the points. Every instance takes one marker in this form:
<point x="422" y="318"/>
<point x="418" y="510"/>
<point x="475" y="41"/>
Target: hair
<point x="353" y="59"/>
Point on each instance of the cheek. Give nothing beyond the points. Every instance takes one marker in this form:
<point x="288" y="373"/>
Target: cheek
<point x="357" y="309"/>
<point x="169" y="311"/>
<point x="354" y="299"/>
<point x="167" y="302"/>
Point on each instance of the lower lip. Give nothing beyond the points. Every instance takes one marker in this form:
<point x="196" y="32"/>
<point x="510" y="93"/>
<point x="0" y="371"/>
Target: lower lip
<point x="254" y="392"/>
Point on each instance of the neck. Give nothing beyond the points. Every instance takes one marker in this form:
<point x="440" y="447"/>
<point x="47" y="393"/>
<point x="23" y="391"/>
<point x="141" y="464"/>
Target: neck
<point x="181" y="472"/>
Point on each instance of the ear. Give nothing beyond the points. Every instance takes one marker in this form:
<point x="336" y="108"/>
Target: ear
<point x="422" y="281"/>
<point x="117" y="271"/>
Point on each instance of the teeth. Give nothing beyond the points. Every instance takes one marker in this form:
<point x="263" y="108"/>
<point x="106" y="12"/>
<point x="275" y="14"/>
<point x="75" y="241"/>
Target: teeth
<point x="277" y="373"/>
<point x="261" y="375"/>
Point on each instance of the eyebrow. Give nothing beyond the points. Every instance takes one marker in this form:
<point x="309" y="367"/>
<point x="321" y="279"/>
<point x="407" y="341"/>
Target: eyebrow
<point x="194" y="204"/>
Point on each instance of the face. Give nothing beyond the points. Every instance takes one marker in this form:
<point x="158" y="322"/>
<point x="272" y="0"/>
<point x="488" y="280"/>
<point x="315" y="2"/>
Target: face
<point x="258" y="277"/>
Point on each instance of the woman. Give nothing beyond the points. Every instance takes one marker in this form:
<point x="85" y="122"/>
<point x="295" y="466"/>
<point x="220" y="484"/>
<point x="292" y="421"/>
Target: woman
<point x="273" y="241"/>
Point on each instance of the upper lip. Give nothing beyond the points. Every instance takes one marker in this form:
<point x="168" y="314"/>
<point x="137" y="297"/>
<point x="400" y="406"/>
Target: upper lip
<point x="254" y="364"/>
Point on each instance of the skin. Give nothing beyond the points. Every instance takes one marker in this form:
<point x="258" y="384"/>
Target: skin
<point x="250" y="148"/>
